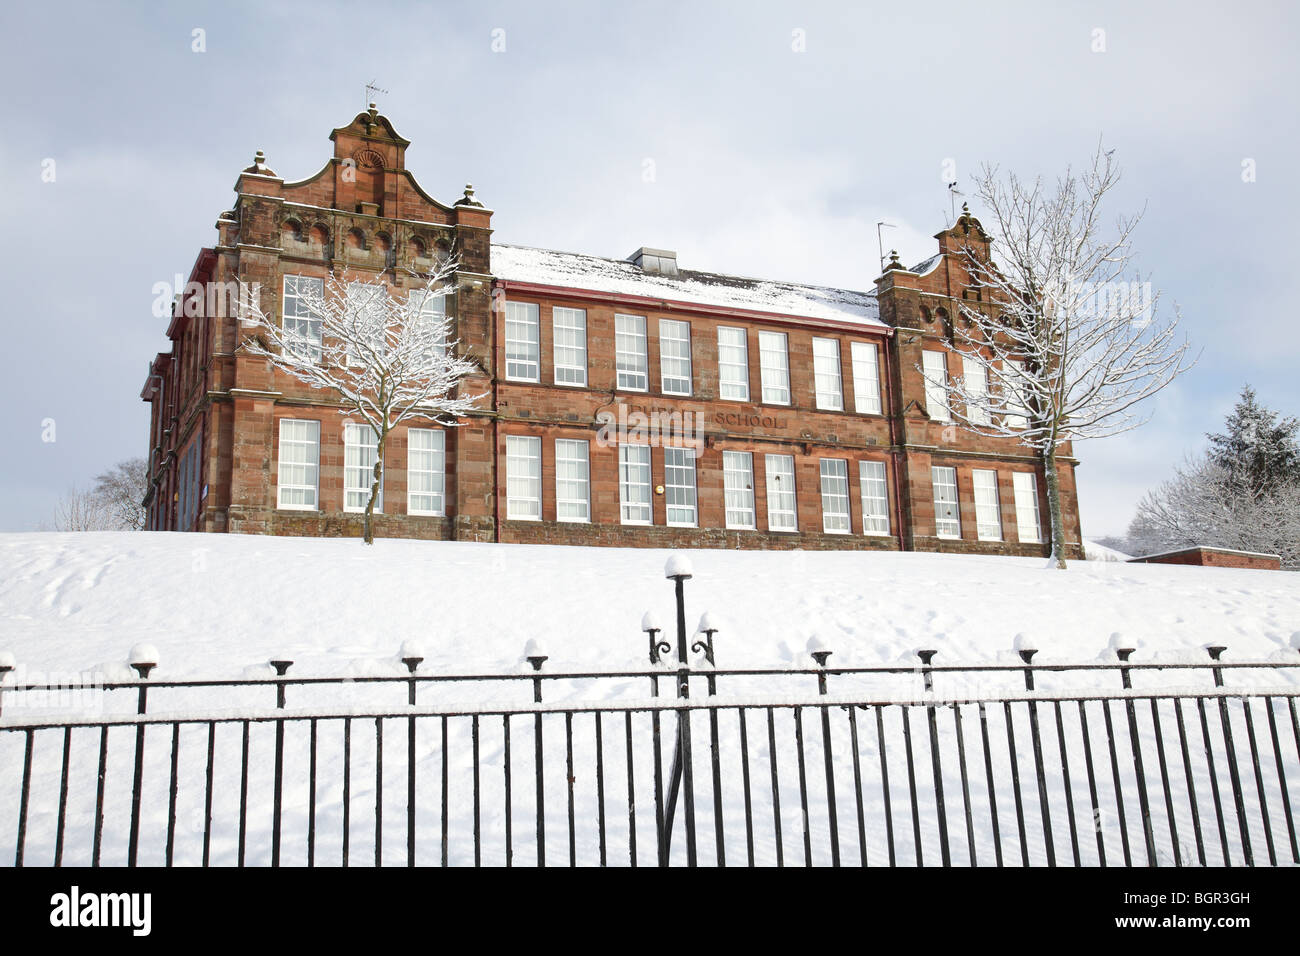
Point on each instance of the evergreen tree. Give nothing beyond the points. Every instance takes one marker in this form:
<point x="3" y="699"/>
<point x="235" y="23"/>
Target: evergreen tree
<point x="1258" y="451"/>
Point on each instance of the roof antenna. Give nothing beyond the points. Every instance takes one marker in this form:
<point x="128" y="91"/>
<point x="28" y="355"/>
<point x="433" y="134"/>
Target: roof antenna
<point x="371" y="90"/>
<point x="880" y="245"/>
<point x="953" y="193"/>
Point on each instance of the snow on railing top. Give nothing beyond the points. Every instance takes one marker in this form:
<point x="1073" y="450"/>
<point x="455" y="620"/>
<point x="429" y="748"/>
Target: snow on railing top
<point x="678" y="566"/>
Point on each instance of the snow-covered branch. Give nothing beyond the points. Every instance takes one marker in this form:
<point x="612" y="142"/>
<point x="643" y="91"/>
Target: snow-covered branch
<point x="1062" y="334"/>
<point x="387" y="356"/>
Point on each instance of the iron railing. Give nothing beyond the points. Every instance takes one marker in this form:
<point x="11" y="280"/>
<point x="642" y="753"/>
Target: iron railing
<point x="904" y="765"/>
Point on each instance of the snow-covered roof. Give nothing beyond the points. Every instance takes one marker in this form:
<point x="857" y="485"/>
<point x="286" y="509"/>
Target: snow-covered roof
<point x="1214" y="549"/>
<point x="598" y="274"/>
<point x="929" y="265"/>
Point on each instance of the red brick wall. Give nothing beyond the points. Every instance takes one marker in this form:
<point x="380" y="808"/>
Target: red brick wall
<point x="303" y="228"/>
<point x="1215" y="558"/>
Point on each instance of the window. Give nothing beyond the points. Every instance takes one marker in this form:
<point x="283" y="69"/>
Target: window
<point x="774" y="363"/>
<point x="630" y="349"/>
<point x="426" y="471"/>
<point x="875" y="497"/>
<point x="299" y="320"/>
<point x="299" y="465"/>
<point x="187" y="508"/>
<point x="572" y="480"/>
<point x="523" y="351"/>
<point x="733" y="364"/>
<point x="988" y="515"/>
<point x="634" y="483"/>
<point x="936" y="386"/>
<point x="781" y="515"/>
<point x="1025" y="486"/>
<point x="1015" y="390"/>
<point x="738" y="488"/>
<point x="947" y="519"/>
<point x="675" y="357"/>
<point x="679" y="486"/>
<point x="976" y="378"/>
<point x="367" y="307"/>
<point x="433" y="311"/>
<point x="866" y="378"/>
<point x="360" y="452"/>
<point x="835" y="496"/>
<point x="826" y="374"/>
<point x="523" y="478"/>
<point x="570" y="349"/>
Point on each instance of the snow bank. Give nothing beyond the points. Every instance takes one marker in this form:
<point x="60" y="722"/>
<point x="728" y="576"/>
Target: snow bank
<point x="212" y="605"/>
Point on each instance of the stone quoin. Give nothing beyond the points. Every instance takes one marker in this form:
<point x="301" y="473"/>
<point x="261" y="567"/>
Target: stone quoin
<point x="630" y="402"/>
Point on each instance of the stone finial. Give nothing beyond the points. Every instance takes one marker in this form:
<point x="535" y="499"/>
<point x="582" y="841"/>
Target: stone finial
<point x="259" y="166"/>
<point x="893" y="260"/>
<point x="468" y="199"/>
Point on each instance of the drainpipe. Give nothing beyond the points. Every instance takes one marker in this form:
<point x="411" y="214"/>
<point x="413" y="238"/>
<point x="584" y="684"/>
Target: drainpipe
<point x="496" y="422"/>
<point x="496" y="452"/>
<point x="894" y="415"/>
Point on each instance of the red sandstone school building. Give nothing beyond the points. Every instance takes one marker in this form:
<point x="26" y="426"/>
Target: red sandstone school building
<point x="631" y="401"/>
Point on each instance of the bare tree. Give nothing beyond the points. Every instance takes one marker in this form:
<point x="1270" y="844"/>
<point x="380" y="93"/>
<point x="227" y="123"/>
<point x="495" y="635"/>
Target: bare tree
<point x="121" y="489"/>
<point x="83" y="511"/>
<point x="388" y="357"/>
<point x="1205" y="504"/>
<point x="1062" y="344"/>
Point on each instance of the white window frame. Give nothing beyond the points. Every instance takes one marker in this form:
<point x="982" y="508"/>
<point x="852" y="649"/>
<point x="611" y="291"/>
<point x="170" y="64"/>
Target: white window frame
<point x="673" y="335"/>
<point x="433" y="309"/>
<point x="680" y="487"/>
<point x="523" y="342"/>
<point x="935" y="366"/>
<point x="360" y="295"/>
<point x="828" y="380"/>
<point x="775" y="468"/>
<point x="774" y="367"/>
<point x="866" y="378"/>
<point x="631" y="353"/>
<point x="569" y="346"/>
<point x="734" y="386"/>
<point x="573" y="480"/>
<point x="835" y="489"/>
<point x="353" y="446"/>
<point x="296" y="317"/>
<point x="523" y="478"/>
<point x="873" y="485"/>
<point x="1014" y="390"/>
<point x="948" y="524"/>
<point x="310" y="464"/>
<point x="988" y="508"/>
<point x="430" y="463"/>
<point x="1024" y="485"/>
<point x="975" y="378"/>
<point x="738" y="490"/>
<point x="633" y="461"/>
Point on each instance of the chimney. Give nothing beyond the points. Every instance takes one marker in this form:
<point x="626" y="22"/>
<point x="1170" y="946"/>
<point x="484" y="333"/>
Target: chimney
<point x="655" y="261"/>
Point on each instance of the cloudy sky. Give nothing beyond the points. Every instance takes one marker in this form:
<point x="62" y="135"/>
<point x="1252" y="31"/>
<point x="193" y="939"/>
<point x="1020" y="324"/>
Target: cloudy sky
<point x="778" y="135"/>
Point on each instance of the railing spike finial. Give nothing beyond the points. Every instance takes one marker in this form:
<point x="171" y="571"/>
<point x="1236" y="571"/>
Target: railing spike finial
<point x="143" y="658"/>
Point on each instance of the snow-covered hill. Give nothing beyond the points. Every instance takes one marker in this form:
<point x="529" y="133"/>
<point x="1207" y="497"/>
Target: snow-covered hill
<point x="216" y="604"/>
<point x="223" y="605"/>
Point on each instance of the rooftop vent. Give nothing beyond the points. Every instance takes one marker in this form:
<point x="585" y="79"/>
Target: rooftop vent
<point x="656" y="261"/>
